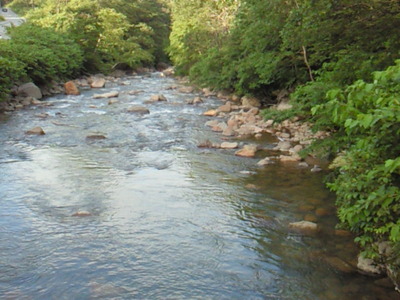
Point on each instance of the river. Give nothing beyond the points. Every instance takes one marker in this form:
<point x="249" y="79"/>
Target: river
<point x="168" y="220"/>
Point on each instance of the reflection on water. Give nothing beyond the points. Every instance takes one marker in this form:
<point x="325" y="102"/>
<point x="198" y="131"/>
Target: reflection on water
<point x="167" y="220"/>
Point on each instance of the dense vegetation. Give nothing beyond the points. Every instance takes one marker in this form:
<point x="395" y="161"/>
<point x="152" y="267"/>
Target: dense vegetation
<point x="63" y="38"/>
<point x="327" y="54"/>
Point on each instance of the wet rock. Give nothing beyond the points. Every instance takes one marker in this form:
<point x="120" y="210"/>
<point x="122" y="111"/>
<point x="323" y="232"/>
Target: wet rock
<point x="96" y="137"/>
<point x="304" y="227"/>
<point x="169" y="71"/>
<point x="71" y="89"/>
<point x="36" y="131"/>
<point x="265" y="161"/>
<point x="194" y="101"/>
<point x="208" y="144"/>
<point x="113" y="94"/>
<point x="138" y="110"/>
<point x="35" y="101"/>
<point x="247" y="151"/>
<point x="81" y="213"/>
<point x="211" y="113"/>
<point x="228" y="145"/>
<point x="250" y="102"/>
<point x="135" y="92"/>
<point x="29" y="90"/>
<point x="368" y="267"/>
<point x="339" y="264"/>
<point x="97" y="83"/>
<point x="157" y="98"/>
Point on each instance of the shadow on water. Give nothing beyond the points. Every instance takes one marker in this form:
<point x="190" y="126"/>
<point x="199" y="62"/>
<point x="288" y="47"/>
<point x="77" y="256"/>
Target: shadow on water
<point x="160" y="218"/>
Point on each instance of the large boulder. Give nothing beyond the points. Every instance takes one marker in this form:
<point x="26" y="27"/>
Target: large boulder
<point x="368" y="266"/>
<point x="70" y="88"/>
<point x="29" y="90"/>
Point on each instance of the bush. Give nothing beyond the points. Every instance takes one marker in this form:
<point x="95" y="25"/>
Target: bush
<point x="43" y="53"/>
<point x="10" y="71"/>
<point x="368" y="170"/>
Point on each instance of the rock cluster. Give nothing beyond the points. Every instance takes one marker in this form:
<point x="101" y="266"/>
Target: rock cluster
<point x="240" y="117"/>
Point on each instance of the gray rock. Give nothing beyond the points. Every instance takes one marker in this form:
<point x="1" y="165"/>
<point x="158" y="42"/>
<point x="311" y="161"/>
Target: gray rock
<point x="29" y="90"/>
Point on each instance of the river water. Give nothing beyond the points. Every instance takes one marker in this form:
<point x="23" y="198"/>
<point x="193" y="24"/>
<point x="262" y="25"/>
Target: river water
<point x="168" y="220"/>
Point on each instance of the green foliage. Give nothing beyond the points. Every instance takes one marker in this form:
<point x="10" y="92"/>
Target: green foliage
<point x="113" y="32"/>
<point x="10" y="71"/>
<point x="368" y="180"/>
<point x="43" y="54"/>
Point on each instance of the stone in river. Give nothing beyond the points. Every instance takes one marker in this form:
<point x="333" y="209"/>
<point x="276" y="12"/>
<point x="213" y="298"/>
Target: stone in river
<point x="96" y="137"/>
<point x="211" y="113"/>
<point x="339" y="264"/>
<point x="138" y="110"/>
<point x="227" y="145"/>
<point x="81" y="213"/>
<point x="98" y="83"/>
<point x="247" y="151"/>
<point x="113" y="94"/>
<point x="70" y="88"/>
<point x="36" y="131"/>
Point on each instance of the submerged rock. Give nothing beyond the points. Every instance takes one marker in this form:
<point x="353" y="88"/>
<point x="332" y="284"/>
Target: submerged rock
<point x="339" y="264"/>
<point x="81" y="213"/>
<point x="96" y="137"/>
<point x="304" y="227"/>
<point x="138" y="110"/>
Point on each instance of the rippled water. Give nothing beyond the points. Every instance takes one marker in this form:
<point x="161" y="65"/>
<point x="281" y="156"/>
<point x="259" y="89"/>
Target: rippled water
<point x="168" y="220"/>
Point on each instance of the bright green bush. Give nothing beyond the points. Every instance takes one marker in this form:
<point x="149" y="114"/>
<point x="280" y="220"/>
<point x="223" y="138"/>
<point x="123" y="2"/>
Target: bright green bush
<point x="43" y="53"/>
<point x="368" y="169"/>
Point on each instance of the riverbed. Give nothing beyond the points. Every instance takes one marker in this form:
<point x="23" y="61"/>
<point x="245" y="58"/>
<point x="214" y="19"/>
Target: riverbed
<point x="144" y="213"/>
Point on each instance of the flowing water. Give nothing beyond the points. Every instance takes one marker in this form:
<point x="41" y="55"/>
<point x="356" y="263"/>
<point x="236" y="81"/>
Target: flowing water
<point x="168" y="220"/>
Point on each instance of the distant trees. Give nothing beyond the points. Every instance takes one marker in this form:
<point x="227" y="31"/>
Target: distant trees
<point x="117" y="31"/>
